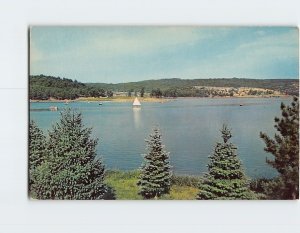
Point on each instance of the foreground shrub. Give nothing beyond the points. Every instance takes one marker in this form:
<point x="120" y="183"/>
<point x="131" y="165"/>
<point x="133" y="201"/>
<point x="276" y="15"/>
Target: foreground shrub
<point x="70" y="169"/>
<point x="185" y="180"/>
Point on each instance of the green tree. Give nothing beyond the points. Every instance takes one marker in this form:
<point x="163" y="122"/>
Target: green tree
<point x="109" y="93"/>
<point x="37" y="146"/>
<point x="155" y="178"/>
<point x="225" y="178"/>
<point x="142" y="92"/>
<point x="156" y="93"/>
<point x="129" y="93"/>
<point x="70" y="170"/>
<point x="285" y="149"/>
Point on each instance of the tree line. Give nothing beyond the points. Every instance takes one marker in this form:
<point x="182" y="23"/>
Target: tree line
<point x="63" y="164"/>
<point x="184" y="86"/>
<point x="43" y="87"/>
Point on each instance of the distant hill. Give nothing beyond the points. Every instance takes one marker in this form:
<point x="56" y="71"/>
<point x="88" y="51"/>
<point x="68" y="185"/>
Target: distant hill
<point x="287" y="86"/>
<point x="45" y="87"/>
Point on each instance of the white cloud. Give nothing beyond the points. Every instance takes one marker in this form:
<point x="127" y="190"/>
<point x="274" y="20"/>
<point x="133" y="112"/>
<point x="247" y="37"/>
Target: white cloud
<point x="146" y="41"/>
<point x="115" y="53"/>
<point x="248" y="59"/>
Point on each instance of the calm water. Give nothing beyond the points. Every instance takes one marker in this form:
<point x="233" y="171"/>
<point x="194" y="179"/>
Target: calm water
<point x="190" y="129"/>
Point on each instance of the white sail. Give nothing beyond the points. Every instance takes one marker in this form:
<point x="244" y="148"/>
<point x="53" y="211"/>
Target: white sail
<point x="136" y="102"/>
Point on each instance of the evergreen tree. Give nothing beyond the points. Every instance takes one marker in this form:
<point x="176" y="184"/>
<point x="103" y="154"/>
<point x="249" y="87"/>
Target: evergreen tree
<point x="155" y="177"/>
<point x="70" y="170"/>
<point x="142" y="92"/>
<point x="285" y="148"/>
<point x="225" y="178"/>
<point x="109" y="93"/>
<point x="37" y="144"/>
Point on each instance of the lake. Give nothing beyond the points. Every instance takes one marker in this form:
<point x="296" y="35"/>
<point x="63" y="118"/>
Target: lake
<point x="190" y="129"/>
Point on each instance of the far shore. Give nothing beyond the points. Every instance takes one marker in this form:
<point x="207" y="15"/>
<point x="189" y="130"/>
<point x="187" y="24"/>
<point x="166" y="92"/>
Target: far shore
<point x="104" y="99"/>
<point x="148" y="99"/>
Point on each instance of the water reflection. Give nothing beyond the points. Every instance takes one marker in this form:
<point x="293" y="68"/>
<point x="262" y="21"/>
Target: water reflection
<point x="136" y="117"/>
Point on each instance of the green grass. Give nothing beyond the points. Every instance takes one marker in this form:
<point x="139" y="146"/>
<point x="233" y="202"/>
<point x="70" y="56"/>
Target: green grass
<point x="124" y="184"/>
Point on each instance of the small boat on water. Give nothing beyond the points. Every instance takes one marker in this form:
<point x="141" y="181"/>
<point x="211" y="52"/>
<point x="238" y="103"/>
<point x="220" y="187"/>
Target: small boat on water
<point x="136" y="103"/>
<point x="241" y="105"/>
<point x="53" y="108"/>
<point x="100" y="103"/>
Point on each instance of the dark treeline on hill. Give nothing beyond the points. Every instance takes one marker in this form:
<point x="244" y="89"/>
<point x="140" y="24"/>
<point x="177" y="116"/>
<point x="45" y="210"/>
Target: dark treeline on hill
<point x="185" y="87"/>
<point x="45" y="87"/>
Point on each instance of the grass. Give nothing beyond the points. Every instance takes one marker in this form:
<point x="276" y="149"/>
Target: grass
<point x="124" y="184"/>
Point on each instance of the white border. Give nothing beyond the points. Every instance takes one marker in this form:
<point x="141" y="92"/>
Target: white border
<point x="18" y="214"/>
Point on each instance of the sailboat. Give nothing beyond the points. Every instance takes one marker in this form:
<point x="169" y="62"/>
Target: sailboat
<point x="136" y="103"/>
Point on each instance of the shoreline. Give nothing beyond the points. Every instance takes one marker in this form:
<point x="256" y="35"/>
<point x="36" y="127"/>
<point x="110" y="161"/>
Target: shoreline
<point x="149" y="99"/>
<point x="92" y="99"/>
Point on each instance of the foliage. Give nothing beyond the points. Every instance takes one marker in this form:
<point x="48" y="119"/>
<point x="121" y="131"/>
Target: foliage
<point x="175" y="87"/>
<point x="45" y="87"/>
<point x="37" y="145"/>
<point x="155" y="177"/>
<point x="265" y="188"/>
<point x="186" y="180"/>
<point x="125" y="185"/>
<point x="109" y="93"/>
<point x="156" y="93"/>
<point x="70" y="170"/>
<point x="142" y="92"/>
<point x="285" y="149"/>
<point x="225" y="178"/>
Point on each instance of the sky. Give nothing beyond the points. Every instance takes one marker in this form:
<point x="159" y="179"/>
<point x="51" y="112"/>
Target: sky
<point x="116" y="54"/>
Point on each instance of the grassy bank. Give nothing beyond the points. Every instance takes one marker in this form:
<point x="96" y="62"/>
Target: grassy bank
<point x="124" y="184"/>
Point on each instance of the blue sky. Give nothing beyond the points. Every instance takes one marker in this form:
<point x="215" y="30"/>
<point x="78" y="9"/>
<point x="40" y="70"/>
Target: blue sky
<point x="127" y="54"/>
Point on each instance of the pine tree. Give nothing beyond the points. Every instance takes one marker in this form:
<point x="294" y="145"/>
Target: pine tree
<point x="142" y="92"/>
<point x="155" y="177"/>
<point x="285" y="149"/>
<point x="70" y="170"/>
<point x="225" y="178"/>
<point x="37" y="145"/>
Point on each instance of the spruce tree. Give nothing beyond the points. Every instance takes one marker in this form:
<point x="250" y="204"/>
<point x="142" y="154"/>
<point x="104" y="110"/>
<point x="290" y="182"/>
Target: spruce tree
<point x="155" y="177"/>
<point x="285" y="149"/>
<point x="37" y="145"/>
<point x="70" y="170"/>
<point x="225" y="178"/>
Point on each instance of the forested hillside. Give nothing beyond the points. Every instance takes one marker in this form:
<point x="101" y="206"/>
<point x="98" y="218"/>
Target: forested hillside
<point x="45" y="87"/>
<point x="288" y="86"/>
